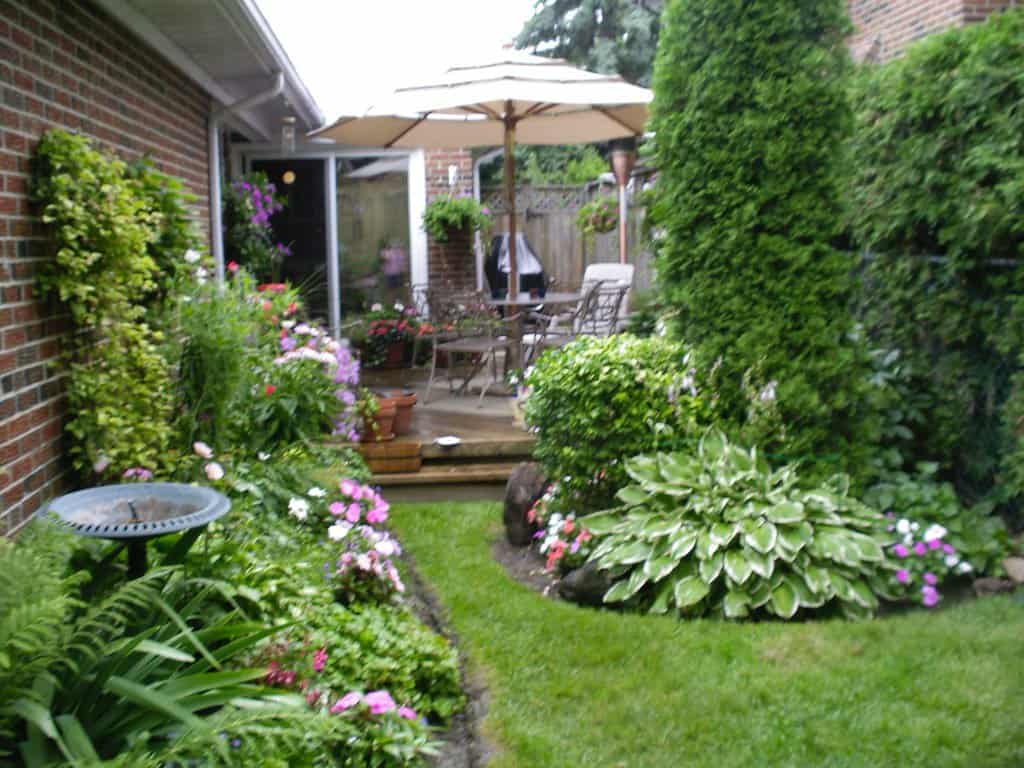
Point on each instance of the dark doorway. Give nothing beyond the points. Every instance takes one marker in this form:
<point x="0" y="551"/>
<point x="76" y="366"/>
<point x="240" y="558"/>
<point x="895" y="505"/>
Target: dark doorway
<point x="302" y="226"/>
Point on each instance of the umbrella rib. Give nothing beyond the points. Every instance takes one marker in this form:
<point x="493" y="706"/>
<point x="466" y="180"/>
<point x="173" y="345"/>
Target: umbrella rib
<point x="538" y="109"/>
<point x="399" y="137"/>
<point x="615" y="119"/>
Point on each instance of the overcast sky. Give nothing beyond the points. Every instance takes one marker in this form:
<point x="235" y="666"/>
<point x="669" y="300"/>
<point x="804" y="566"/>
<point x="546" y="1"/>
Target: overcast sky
<point x="350" y="53"/>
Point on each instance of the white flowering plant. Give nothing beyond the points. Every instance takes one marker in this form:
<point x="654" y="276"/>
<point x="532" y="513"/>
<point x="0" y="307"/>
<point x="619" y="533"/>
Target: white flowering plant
<point x="561" y="539"/>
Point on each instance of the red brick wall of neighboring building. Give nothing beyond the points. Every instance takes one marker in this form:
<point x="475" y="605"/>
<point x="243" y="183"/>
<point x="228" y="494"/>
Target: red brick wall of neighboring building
<point x="66" y="64"/>
<point x="450" y="264"/>
<point x="884" y="28"/>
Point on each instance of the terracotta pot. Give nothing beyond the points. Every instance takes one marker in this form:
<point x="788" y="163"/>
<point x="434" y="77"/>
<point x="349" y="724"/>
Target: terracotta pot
<point x="404" y="401"/>
<point x="384" y="421"/>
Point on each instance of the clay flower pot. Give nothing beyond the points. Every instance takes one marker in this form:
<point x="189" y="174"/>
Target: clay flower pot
<point x="381" y="427"/>
<point x="404" y="402"/>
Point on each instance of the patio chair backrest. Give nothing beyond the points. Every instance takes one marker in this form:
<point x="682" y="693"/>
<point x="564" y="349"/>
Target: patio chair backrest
<point x="601" y="317"/>
<point x="612" y="274"/>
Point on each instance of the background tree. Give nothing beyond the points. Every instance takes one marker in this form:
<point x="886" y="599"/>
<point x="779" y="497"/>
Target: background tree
<point x="610" y="36"/>
<point x="750" y="115"/>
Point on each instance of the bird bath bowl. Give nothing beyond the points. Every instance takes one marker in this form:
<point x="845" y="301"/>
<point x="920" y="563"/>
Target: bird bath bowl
<point x="137" y="512"/>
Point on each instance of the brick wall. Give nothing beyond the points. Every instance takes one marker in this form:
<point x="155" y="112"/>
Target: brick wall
<point x="65" y="64"/>
<point x="450" y="264"/>
<point x="884" y="28"/>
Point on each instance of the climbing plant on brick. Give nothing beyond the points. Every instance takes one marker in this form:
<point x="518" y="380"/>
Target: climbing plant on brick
<point x="103" y="225"/>
<point x="750" y="114"/>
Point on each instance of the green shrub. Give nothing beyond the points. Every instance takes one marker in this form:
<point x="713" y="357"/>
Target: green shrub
<point x="937" y="195"/>
<point x="750" y="113"/>
<point x="718" y="531"/>
<point x="598" y="401"/>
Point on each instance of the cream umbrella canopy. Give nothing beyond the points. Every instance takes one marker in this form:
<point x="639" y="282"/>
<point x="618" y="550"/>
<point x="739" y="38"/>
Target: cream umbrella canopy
<point x="515" y="97"/>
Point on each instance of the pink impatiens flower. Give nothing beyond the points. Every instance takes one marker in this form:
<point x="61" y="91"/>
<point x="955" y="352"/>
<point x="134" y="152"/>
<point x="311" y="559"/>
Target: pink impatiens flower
<point x="930" y="579"/>
<point x="352" y="513"/>
<point x="920" y="549"/>
<point x="380" y="702"/>
<point x="336" y="508"/>
<point x="900" y="551"/>
<point x="934" y="544"/>
<point x="347" y="701"/>
<point x="902" y="576"/>
<point x="348" y="487"/>
<point x="407" y="713"/>
<point x="948" y="549"/>
<point x="929" y="596"/>
<point x="319" y="660"/>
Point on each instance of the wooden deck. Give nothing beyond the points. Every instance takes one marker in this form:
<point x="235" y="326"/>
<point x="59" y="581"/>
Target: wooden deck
<point x="414" y="466"/>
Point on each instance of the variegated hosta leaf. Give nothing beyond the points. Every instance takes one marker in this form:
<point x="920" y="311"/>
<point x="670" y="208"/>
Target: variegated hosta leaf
<point x="633" y="552"/>
<point x="625" y="589"/>
<point x="657" y="568"/>
<point x="762" y="565"/>
<point x="784" y="601"/>
<point x="657" y="527"/>
<point x="633" y="495"/>
<point x="683" y="542"/>
<point x="737" y="567"/>
<point x="643" y="469"/>
<point x="690" y="591"/>
<point x="601" y="523"/>
<point x="735" y="604"/>
<point x="710" y="568"/>
<point x="723" y="533"/>
<point x="795" y="537"/>
<point x="762" y="538"/>
<point x="786" y="512"/>
<point x="663" y="599"/>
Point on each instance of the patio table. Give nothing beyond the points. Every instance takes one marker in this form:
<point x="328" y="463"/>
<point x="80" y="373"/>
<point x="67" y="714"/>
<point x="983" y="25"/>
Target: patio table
<point x="515" y="351"/>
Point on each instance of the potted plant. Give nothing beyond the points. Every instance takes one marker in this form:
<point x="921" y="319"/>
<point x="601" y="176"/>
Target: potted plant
<point x="387" y="335"/>
<point x="378" y="417"/>
<point x="599" y="216"/>
<point x="446" y="215"/>
<point x="403" y="401"/>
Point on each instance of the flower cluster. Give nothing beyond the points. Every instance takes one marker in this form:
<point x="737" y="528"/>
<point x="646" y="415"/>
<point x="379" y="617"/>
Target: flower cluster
<point x="258" y="200"/>
<point x="301" y="670"/>
<point x="564" y="541"/>
<point x="925" y="561"/>
<point x="141" y="474"/>
<point x="211" y="469"/>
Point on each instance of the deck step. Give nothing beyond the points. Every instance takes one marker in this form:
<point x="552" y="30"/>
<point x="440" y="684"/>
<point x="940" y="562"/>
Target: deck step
<point x="450" y="474"/>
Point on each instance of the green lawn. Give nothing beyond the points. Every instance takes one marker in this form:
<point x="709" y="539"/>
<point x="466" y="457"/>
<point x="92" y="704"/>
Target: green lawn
<point x="575" y="687"/>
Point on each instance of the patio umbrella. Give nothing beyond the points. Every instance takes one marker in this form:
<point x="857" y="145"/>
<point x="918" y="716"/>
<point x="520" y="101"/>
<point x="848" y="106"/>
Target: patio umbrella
<point x="514" y="97"/>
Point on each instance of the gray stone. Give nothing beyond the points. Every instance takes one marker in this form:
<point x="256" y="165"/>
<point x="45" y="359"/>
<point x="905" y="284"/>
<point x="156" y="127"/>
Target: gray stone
<point x="585" y="586"/>
<point x="990" y="586"/>
<point x="525" y="486"/>
<point x="1015" y="569"/>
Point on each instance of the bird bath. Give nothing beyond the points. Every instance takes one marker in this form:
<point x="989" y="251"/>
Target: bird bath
<point x="137" y="512"/>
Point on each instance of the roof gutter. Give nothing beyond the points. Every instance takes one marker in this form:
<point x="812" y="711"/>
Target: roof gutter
<point x="213" y="140"/>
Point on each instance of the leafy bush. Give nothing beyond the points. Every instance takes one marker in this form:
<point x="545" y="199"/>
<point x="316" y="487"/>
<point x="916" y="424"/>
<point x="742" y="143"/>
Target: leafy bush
<point x="106" y="231"/>
<point x="446" y="214"/>
<point x="937" y="195"/>
<point x="918" y="503"/>
<point x="749" y="114"/>
<point x="599" y="400"/>
<point x="718" y="531"/>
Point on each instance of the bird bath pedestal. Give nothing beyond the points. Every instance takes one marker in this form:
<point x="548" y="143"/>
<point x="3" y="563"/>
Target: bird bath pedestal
<point x="137" y="512"/>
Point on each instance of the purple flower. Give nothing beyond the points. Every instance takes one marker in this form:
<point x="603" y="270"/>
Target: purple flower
<point x="902" y="576"/>
<point x="934" y="544"/>
<point x="900" y="551"/>
<point x="948" y="549"/>
<point x="930" y="580"/>
<point x="929" y="596"/>
<point x="920" y="548"/>
<point x="287" y="344"/>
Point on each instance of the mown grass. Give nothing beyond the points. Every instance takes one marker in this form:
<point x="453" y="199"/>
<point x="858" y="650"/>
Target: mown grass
<point x="575" y="687"/>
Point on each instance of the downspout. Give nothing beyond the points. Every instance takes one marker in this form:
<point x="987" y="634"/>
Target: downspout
<point x="478" y="246"/>
<point x="213" y="141"/>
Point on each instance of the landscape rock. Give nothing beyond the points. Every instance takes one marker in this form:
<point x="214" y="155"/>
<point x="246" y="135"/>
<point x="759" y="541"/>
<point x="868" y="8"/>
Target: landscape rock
<point x="990" y="586"/>
<point x="525" y="486"/>
<point x="1015" y="569"/>
<point x="585" y="585"/>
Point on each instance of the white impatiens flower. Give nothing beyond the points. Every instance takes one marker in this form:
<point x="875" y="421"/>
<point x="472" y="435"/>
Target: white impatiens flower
<point x="363" y="563"/>
<point x="192" y="257"/>
<point x="288" y="324"/>
<point x="385" y="548"/>
<point x="964" y="567"/>
<point x="934" y="531"/>
<point x="338" y="531"/>
<point x="951" y="560"/>
<point x="262" y="455"/>
<point x="202" y="450"/>
<point x="914" y="527"/>
<point x="376" y="307"/>
<point x="214" y="471"/>
<point x="298" y="508"/>
<point x="316" y="493"/>
<point x="399" y="306"/>
<point x="903" y="527"/>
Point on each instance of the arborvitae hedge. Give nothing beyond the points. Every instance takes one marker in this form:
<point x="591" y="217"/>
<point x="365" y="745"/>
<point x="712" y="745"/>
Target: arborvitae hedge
<point x="751" y="114"/>
<point x="937" y="194"/>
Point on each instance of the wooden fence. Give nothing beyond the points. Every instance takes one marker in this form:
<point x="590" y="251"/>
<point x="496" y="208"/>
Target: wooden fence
<point x="547" y="216"/>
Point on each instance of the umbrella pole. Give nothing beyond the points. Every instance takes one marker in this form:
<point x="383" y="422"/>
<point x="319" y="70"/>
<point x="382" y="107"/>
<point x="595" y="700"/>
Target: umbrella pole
<point x="516" y="349"/>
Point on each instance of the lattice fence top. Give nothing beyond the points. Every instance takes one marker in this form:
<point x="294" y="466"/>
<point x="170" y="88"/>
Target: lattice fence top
<point x="536" y="199"/>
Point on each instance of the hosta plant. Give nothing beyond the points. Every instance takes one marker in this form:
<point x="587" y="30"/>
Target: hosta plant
<point x="720" y="532"/>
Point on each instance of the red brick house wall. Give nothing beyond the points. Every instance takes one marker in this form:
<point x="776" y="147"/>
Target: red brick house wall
<point x="884" y="28"/>
<point x="66" y="64"/>
<point x="450" y="264"/>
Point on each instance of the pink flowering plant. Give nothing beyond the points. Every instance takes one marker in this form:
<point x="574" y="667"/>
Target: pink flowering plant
<point x="564" y="542"/>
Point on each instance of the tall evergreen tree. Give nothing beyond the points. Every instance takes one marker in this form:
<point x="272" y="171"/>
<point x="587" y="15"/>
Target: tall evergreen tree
<point x="611" y="36"/>
<point x="750" y="116"/>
